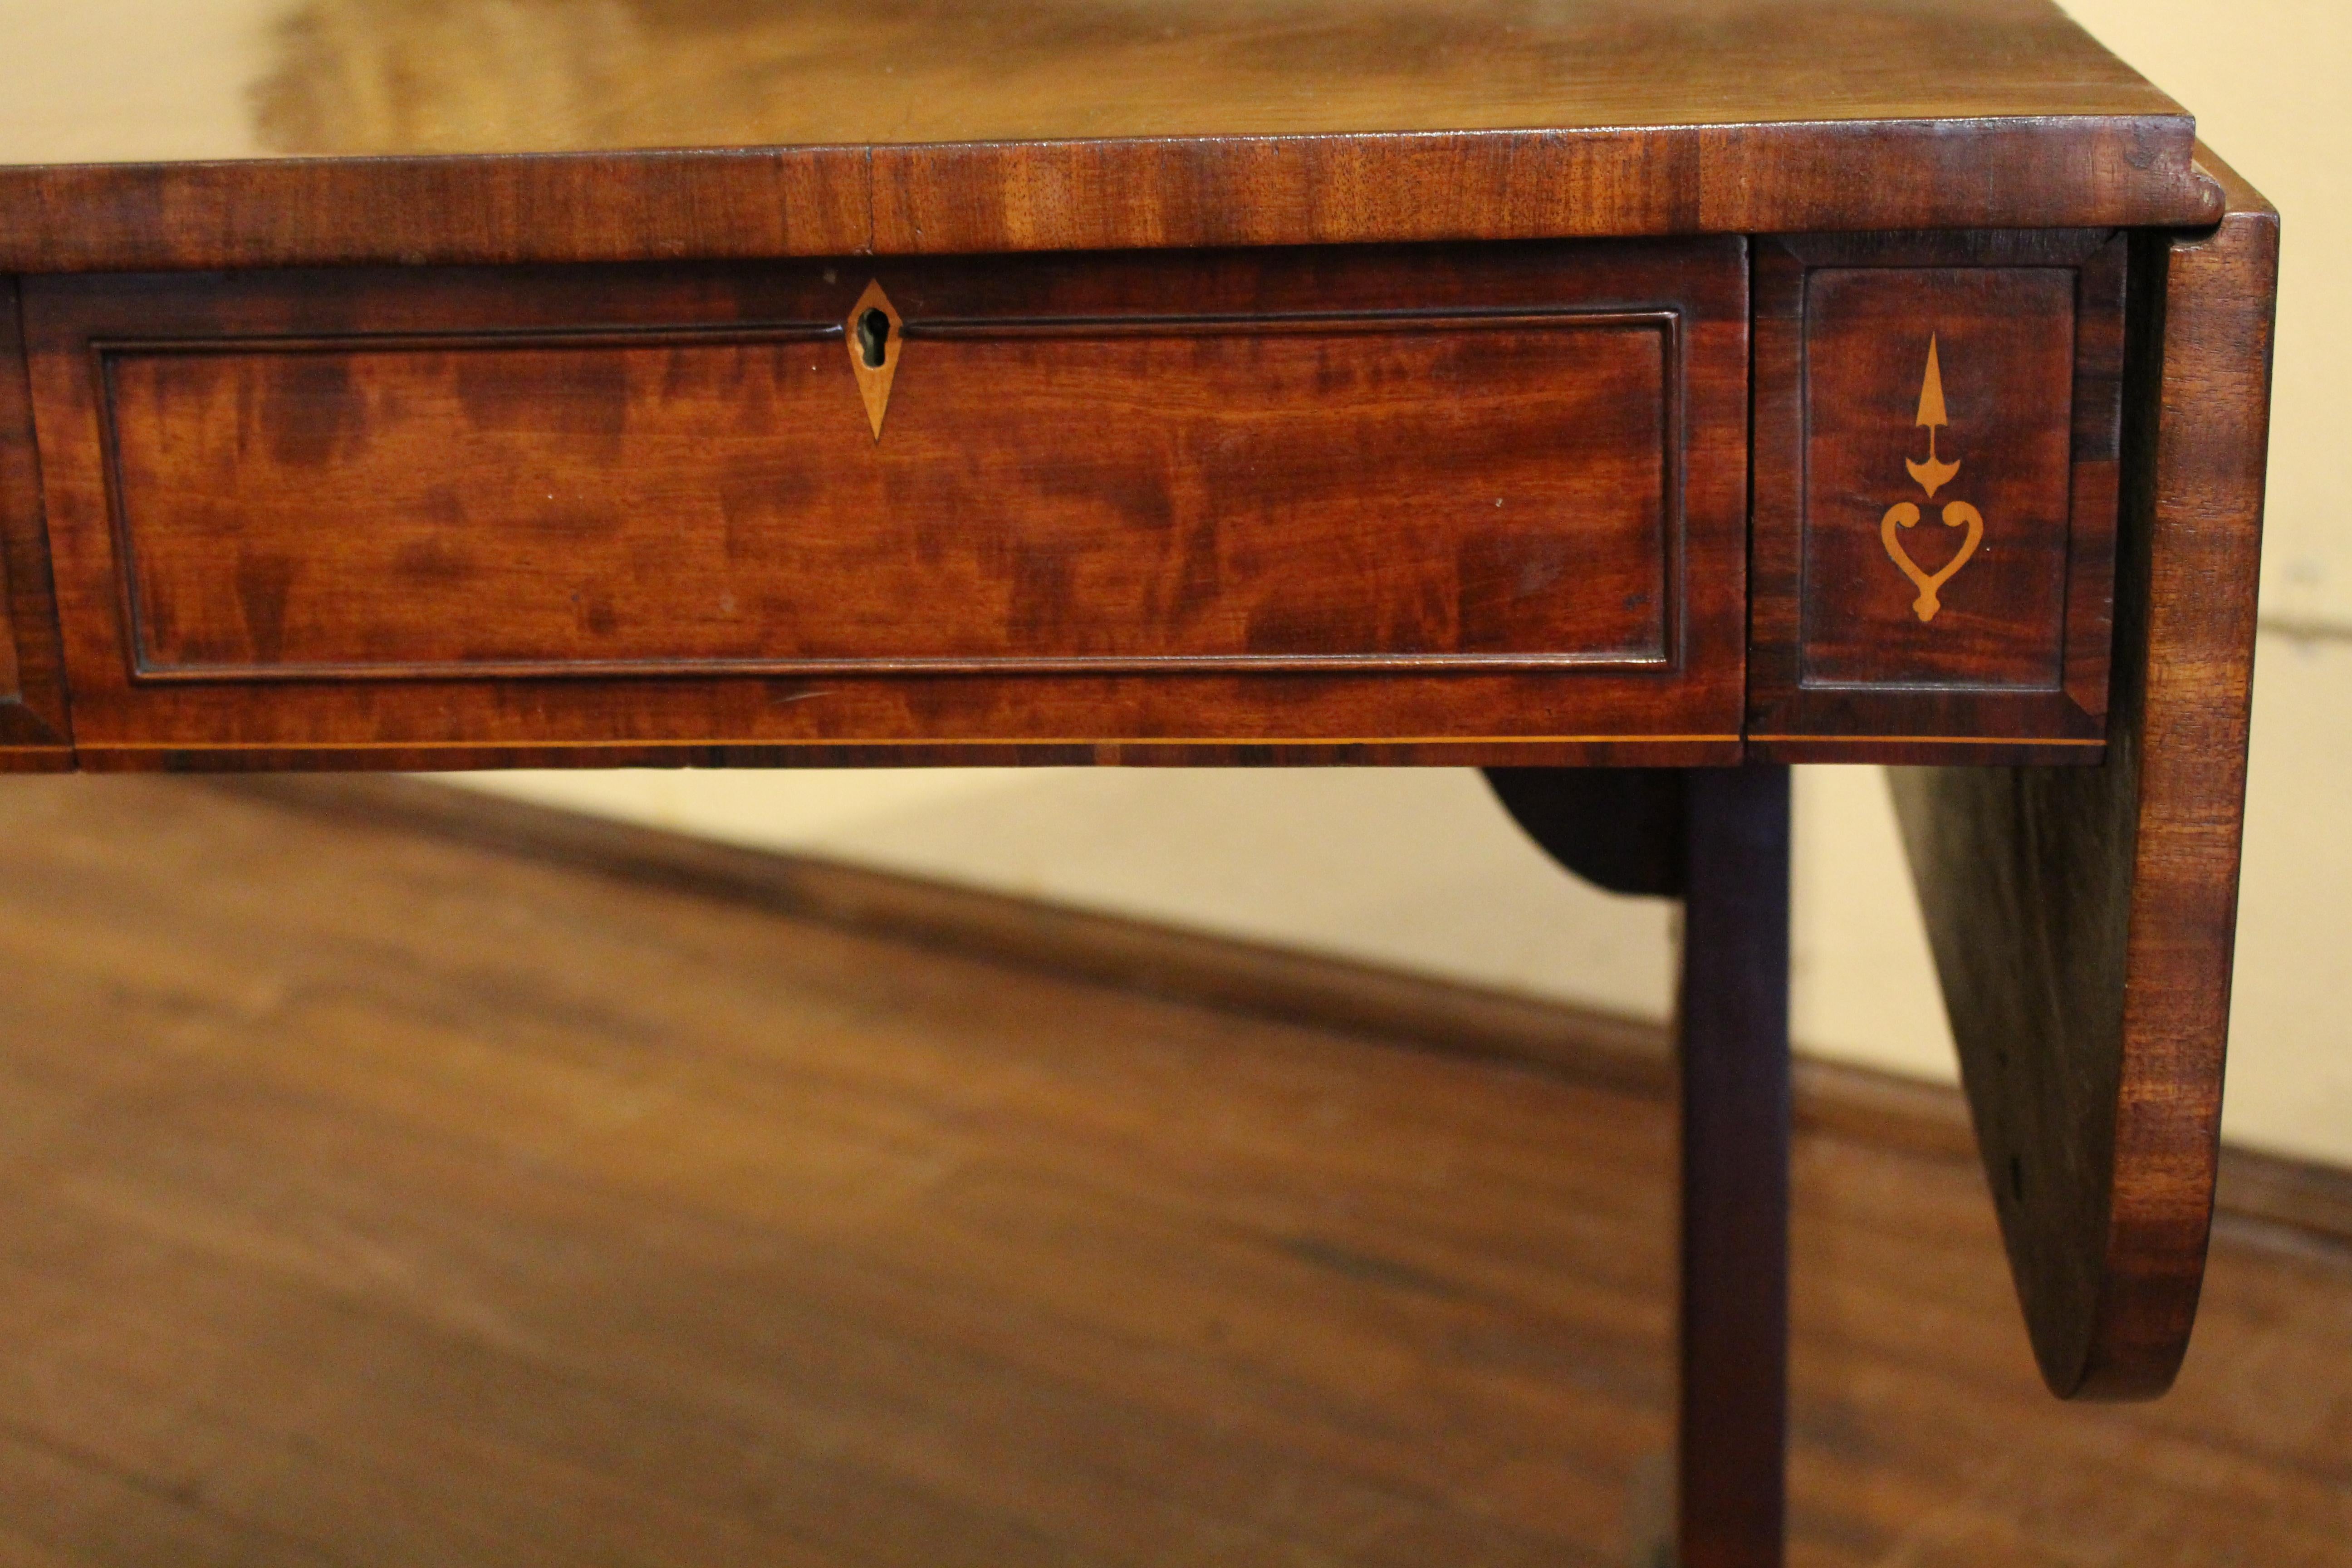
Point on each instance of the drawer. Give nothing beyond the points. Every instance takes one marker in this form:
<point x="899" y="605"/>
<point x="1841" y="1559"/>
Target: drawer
<point x="1467" y="499"/>
<point x="1938" y="426"/>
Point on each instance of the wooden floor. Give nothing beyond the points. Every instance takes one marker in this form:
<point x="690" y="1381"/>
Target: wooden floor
<point x="367" y="1198"/>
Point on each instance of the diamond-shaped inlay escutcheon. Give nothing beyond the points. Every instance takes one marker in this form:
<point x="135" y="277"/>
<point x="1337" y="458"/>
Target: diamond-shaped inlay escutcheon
<point x="876" y="334"/>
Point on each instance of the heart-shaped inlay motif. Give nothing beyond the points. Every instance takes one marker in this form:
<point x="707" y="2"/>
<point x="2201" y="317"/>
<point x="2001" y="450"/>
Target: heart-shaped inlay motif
<point x="1931" y="476"/>
<point x="1904" y="514"/>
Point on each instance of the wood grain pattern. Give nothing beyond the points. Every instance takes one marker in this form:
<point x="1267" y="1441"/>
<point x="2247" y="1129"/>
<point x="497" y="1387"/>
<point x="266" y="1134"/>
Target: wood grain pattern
<point x="1186" y="494"/>
<point x="1269" y="499"/>
<point x="375" y="1198"/>
<point x="1727" y="179"/>
<point x="33" y="724"/>
<point x="2008" y="333"/>
<point x="2029" y="332"/>
<point x="2081" y="920"/>
<point x="514" y="131"/>
<point x="392" y="77"/>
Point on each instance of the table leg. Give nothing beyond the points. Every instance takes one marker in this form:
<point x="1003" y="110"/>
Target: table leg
<point x="1718" y="839"/>
<point x="1734" y="1025"/>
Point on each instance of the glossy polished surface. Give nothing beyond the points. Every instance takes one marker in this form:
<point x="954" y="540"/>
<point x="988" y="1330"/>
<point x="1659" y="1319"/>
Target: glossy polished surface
<point x="138" y="134"/>
<point x="1481" y="497"/>
<point x="134" y="80"/>
<point x="2083" y="921"/>
<point x="2012" y="529"/>
<point x="669" y="504"/>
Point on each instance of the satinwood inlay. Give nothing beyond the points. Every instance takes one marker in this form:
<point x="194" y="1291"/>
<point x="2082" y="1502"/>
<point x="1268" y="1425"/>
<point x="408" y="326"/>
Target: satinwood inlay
<point x="876" y="334"/>
<point x="1932" y="476"/>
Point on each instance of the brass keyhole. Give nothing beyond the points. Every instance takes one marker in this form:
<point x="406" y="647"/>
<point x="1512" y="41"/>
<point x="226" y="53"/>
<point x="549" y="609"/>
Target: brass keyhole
<point x="874" y="339"/>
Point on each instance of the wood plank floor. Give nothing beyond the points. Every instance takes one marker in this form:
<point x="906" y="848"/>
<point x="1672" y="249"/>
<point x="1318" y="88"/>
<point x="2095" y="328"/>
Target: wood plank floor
<point x="366" y="1198"/>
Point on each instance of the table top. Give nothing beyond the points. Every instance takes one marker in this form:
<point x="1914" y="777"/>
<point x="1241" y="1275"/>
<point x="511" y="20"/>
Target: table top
<point x="143" y="133"/>
<point x="357" y="76"/>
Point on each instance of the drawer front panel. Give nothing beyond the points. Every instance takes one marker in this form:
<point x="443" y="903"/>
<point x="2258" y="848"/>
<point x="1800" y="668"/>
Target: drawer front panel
<point x="1991" y="610"/>
<point x="1482" y="499"/>
<point x="1938" y="426"/>
<point x="1293" y="494"/>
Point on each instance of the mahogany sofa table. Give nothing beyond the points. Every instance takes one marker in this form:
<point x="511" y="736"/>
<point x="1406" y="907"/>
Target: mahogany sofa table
<point x="1628" y="397"/>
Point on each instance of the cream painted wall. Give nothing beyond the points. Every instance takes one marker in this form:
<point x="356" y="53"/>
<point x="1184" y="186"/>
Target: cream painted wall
<point x="2266" y="79"/>
<point x="121" y="75"/>
<point x="1420" y="869"/>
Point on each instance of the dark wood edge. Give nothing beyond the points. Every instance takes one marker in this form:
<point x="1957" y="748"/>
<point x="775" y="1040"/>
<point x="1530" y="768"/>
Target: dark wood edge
<point x="1913" y="750"/>
<point x="1926" y="1119"/>
<point x="16" y="497"/>
<point x="2210" y="469"/>
<point x="1731" y="1013"/>
<point x="2083" y="921"/>
<point x="1974" y="248"/>
<point x="489" y="210"/>
<point x="1780" y="178"/>
<point x="36" y="759"/>
<point x="1477" y="751"/>
<point x="2094" y="497"/>
<point x="2102" y="313"/>
<point x="2027" y="172"/>
<point x="34" y="723"/>
<point x="23" y="729"/>
<point x="1882" y="720"/>
<point x="145" y="671"/>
